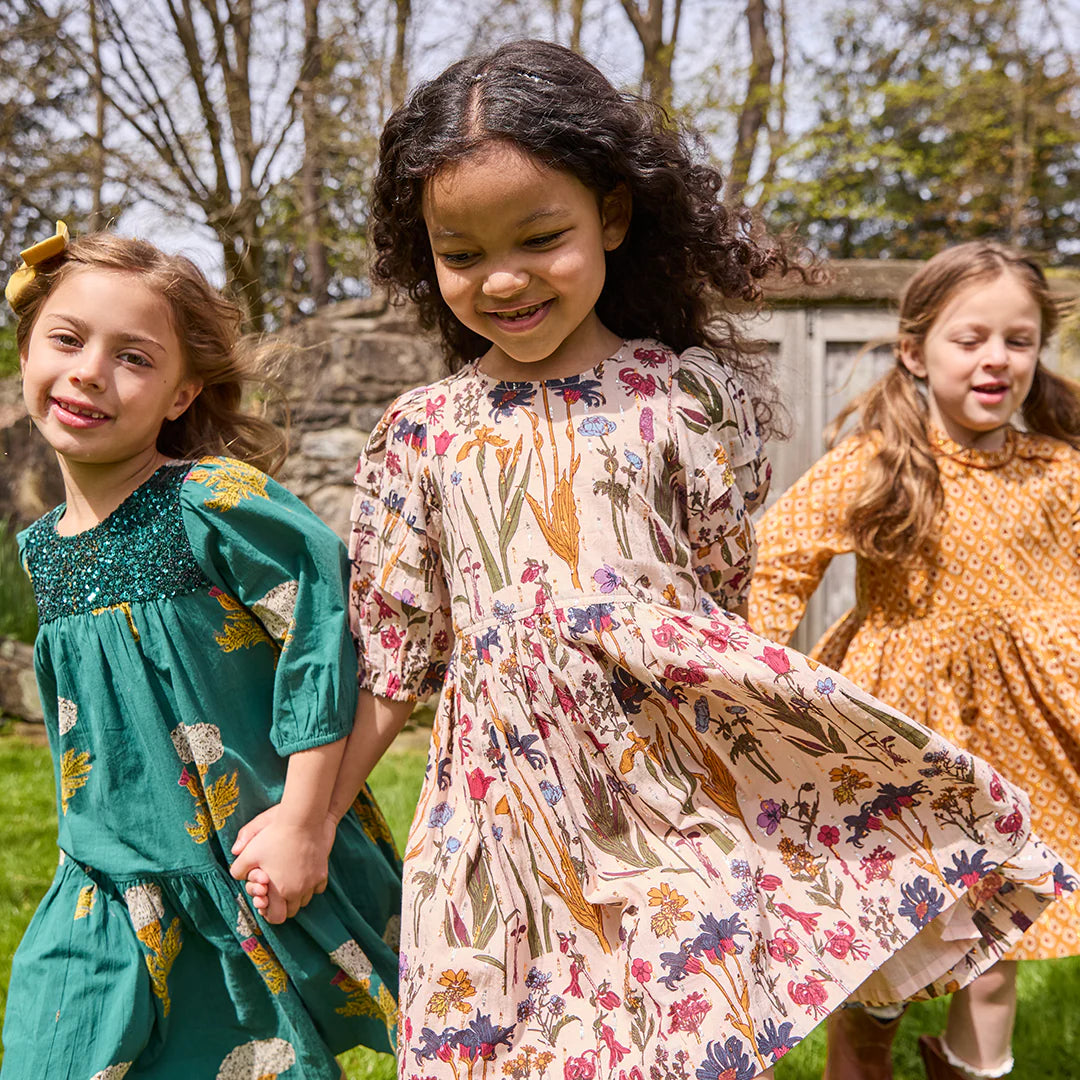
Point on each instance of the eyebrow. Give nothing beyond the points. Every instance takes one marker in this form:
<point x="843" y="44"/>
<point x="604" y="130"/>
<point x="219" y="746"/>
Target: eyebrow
<point x="127" y="337"/>
<point x="529" y="219"/>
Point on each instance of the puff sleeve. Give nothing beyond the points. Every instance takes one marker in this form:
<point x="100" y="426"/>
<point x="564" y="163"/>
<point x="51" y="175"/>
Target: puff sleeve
<point x="800" y="534"/>
<point x="727" y="473"/>
<point x="399" y="602"/>
<point x="282" y="576"/>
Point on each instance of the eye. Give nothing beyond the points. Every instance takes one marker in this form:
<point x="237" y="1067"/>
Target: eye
<point x="546" y="239"/>
<point x="135" y="359"/>
<point x="65" y="340"/>
<point x="1021" y="343"/>
<point x="457" y="258"/>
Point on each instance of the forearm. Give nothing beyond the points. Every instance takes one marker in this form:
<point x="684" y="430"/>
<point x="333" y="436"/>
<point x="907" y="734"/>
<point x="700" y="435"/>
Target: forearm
<point x="378" y="721"/>
<point x="309" y="783"/>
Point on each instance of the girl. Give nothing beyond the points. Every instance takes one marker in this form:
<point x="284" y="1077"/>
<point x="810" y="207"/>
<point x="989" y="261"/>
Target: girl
<point x="968" y="611"/>
<point x="195" y="667"/>
<point x="639" y="846"/>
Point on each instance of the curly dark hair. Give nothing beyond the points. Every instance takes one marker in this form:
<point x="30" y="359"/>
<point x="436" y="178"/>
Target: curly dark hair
<point x="687" y="260"/>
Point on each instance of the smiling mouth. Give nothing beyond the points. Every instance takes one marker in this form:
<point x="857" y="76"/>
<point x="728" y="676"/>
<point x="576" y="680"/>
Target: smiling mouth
<point x="76" y="409"/>
<point x="991" y="388"/>
<point x="518" y="314"/>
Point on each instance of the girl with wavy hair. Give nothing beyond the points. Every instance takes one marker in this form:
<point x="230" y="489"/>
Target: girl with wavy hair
<point x="967" y="615"/>
<point x="195" y="669"/>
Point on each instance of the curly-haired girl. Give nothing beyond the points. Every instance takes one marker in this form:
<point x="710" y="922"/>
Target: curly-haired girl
<point x="630" y="852"/>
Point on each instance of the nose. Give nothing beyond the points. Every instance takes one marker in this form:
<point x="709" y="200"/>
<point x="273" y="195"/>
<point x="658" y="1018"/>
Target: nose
<point x="996" y="352"/>
<point x="89" y="370"/>
<point x="503" y="283"/>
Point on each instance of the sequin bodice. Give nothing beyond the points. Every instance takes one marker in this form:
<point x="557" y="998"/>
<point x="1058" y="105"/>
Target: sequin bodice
<point x="139" y="552"/>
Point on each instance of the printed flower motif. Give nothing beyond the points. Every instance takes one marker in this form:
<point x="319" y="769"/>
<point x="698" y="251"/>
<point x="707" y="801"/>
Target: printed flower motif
<point x="113" y="1072"/>
<point x="877" y="866"/>
<point x="645" y="425"/>
<point x="784" y="949"/>
<point x="634" y="459"/>
<point x="769" y="818"/>
<point x="352" y="960"/>
<point x="717" y="937"/>
<point x="436" y="1045"/>
<point x="636" y="384"/>
<point x="775" y="658"/>
<point x="687" y="1014"/>
<point x="828" y="836"/>
<point x="641" y="970"/>
<point x="144" y="904"/>
<point x="966" y="869"/>
<point x="479" y="1041"/>
<point x="579" y="1068"/>
<point x="1063" y="882"/>
<point x="1010" y="824"/>
<point x="726" y="1061"/>
<point x="443" y="441"/>
<point x="775" y="1041"/>
<point x="507" y="396"/>
<point x="552" y="793"/>
<point x="848" y="781"/>
<point x="275" y="610"/>
<point x="198" y="743"/>
<point x="671" y="906"/>
<point x="67" y="713"/>
<point x="826" y="687"/>
<point x="246" y="926"/>
<point x="578" y="388"/>
<point x="629" y="692"/>
<point x="595" y="426"/>
<point x="440" y="815"/>
<point x="842" y="940"/>
<point x="262" y="1058"/>
<point x="479" y="782"/>
<point x="606" y="579"/>
<point x="921" y="902"/>
<point x="811" y="994"/>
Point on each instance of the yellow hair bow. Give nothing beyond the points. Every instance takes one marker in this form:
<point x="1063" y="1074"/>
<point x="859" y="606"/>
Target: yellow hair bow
<point x="38" y="253"/>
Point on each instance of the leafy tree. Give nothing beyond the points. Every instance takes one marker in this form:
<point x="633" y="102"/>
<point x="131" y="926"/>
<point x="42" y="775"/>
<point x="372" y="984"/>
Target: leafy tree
<point x="940" y="121"/>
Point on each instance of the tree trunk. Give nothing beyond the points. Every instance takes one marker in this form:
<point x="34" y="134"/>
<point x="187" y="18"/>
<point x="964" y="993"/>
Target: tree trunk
<point x="97" y="165"/>
<point x="311" y="172"/>
<point x="399" y="72"/>
<point x="657" y="54"/>
<point x="754" y="113"/>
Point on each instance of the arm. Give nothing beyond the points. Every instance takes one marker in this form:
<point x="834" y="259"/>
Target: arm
<point x="378" y="721"/>
<point x="293" y="848"/>
<point x="799" y="536"/>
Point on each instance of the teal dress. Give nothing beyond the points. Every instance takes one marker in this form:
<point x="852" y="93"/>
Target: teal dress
<point x="189" y="644"/>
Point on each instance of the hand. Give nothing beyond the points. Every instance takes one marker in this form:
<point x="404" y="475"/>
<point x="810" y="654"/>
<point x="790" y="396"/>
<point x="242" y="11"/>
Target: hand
<point x="255" y="826"/>
<point x="283" y="861"/>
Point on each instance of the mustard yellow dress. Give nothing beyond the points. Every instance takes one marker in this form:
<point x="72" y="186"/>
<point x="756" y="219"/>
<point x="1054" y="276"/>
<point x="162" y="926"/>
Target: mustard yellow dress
<point x="976" y="635"/>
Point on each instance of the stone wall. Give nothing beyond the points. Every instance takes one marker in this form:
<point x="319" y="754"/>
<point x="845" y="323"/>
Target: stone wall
<point x="350" y="361"/>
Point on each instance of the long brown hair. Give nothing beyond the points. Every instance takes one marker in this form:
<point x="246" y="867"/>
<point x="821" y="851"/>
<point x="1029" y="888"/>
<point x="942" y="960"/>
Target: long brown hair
<point x="207" y="325"/>
<point x="901" y="494"/>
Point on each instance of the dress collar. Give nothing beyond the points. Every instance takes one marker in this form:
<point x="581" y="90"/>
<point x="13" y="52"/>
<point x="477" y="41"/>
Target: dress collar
<point x="966" y="455"/>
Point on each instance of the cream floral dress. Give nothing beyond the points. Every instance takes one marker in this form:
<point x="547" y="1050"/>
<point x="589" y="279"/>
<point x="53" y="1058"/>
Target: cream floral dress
<point x="649" y="842"/>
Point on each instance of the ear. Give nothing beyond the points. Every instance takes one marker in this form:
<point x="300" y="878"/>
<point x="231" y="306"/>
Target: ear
<point x="615" y="211"/>
<point x="911" y="356"/>
<point x="185" y="395"/>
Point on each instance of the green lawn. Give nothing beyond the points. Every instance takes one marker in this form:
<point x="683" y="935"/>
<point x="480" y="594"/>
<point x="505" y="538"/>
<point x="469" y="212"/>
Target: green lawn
<point x="1047" y="1044"/>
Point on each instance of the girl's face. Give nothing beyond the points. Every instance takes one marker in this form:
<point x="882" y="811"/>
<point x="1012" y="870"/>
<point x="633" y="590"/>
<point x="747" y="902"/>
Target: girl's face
<point x="519" y="253"/>
<point x="103" y="369"/>
<point x="978" y="359"/>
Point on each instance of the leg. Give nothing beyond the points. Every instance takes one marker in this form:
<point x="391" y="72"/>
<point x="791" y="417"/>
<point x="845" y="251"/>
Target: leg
<point x="859" y="1045"/>
<point x="978" y="1036"/>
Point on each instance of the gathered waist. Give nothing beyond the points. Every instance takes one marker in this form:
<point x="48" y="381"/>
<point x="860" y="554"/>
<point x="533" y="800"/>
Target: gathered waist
<point x="880" y="619"/>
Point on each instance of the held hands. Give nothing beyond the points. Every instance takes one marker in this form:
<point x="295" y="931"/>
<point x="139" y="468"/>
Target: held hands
<point x="283" y="861"/>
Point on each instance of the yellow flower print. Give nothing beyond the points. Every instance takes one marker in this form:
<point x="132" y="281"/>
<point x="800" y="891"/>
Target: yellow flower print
<point x="458" y="988"/>
<point x="146" y="909"/>
<point x="484" y="436"/>
<point x="671" y="906"/>
<point x="241" y="629"/>
<point x="74" y="769"/>
<point x="671" y="597"/>
<point x="125" y="607"/>
<point x="797" y="857"/>
<point x="848" y="781"/>
<point x="233" y="482"/>
<point x="371" y="819"/>
<point x="85" y="904"/>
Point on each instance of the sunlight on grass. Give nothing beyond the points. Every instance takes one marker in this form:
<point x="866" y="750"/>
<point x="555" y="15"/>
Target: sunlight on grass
<point x="1047" y="1041"/>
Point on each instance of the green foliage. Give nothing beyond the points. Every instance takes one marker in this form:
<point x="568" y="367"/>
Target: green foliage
<point x="9" y="353"/>
<point x="18" y="612"/>
<point x="939" y="121"/>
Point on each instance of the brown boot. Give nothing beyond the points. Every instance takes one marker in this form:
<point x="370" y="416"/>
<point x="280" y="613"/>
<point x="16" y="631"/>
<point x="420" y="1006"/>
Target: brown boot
<point x="859" y="1047"/>
<point x="935" y="1062"/>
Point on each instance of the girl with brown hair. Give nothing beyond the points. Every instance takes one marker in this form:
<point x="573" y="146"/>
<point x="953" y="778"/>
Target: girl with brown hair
<point x="967" y="614"/>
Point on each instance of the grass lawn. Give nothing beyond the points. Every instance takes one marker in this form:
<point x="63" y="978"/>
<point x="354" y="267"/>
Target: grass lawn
<point x="1047" y="1044"/>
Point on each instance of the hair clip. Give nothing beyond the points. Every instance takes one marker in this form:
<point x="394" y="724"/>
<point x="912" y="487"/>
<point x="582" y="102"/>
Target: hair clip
<point x="31" y="257"/>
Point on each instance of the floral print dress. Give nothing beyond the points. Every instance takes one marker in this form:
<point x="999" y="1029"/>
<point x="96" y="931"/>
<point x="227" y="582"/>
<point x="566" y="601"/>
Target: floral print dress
<point x="188" y="644"/>
<point x="649" y="842"/>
